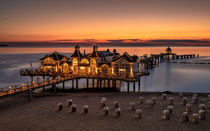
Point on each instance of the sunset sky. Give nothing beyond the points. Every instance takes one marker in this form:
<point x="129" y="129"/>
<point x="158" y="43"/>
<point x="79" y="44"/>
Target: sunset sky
<point x="60" y="20"/>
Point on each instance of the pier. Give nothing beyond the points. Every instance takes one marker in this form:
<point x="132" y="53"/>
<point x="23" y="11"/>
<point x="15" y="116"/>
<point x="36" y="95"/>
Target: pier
<point x="103" y="68"/>
<point x="108" y="82"/>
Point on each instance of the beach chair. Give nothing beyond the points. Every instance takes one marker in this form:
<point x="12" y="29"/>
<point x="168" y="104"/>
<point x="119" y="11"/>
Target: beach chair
<point x="138" y="114"/>
<point x="59" y="106"/>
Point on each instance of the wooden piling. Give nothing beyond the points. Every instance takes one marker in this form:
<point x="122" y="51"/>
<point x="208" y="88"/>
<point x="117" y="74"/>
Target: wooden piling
<point x="87" y="83"/>
<point x="43" y="90"/>
<point x="54" y="88"/>
<point x="100" y="83"/>
<point x="29" y="94"/>
<point x="77" y="88"/>
<point x="134" y="87"/>
<point x="139" y="83"/>
<point x="128" y="86"/>
<point x="72" y="84"/>
<point x="93" y="83"/>
<point x="115" y="84"/>
<point x="97" y="83"/>
<point x="104" y="83"/>
<point x="63" y="85"/>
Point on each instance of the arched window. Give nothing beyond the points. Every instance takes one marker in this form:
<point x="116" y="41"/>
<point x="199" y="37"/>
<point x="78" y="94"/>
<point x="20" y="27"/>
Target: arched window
<point x="84" y="61"/>
<point x="93" y="62"/>
<point x="74" y="62"/>
<point x="65" y="68"/>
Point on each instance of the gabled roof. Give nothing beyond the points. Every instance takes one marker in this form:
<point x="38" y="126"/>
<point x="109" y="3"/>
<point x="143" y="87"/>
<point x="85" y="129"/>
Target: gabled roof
<point x="55" y="56"/>
<point x="127" y="57"/>
<point x="77" y="52"/>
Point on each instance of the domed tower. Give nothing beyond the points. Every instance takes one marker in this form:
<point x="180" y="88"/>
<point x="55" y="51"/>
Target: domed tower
<point x="94" y="56"/>
<point x="168" y="50"/>
<point x="75" y="58"/>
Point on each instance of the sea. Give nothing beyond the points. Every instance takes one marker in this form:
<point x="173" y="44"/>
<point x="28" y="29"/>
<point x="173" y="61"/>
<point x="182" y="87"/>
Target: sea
<point x="174" y="77"/>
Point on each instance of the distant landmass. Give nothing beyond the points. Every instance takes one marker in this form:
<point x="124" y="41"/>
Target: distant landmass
<point x="120" y="42"/>
<point x="4" y="45"/>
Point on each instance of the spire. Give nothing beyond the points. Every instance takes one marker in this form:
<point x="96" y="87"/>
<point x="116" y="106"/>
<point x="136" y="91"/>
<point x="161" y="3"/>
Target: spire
<point x="77" y="52"/>
<point x="95" y="51"/>
<point x="95" y="47"/>
<point x="77" y="47"/>
<point x="168" y="50"/>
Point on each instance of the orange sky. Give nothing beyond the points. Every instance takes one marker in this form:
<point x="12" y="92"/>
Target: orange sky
<point x="23" y="20"/>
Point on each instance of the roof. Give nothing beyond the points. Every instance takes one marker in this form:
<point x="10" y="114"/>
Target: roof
<point x="95" y="51"/>
<point x="104" y="62"/>
<point x="127" y="57"/>
<point x="77" y="52"/>
<point x="105" y="53"/>
<point x="55" y="56"/>
<point x="168" y="49"/>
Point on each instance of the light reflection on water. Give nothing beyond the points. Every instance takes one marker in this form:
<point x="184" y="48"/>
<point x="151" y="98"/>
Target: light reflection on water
<point x="172" y="77"/>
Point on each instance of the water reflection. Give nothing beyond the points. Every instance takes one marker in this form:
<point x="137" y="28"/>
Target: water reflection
<point x="178" y="77"/>
<point x="172" y="77"/>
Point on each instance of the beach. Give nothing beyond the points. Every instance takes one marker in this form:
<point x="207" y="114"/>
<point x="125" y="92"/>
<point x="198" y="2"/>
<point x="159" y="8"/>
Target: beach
<point x="17" y="113"/>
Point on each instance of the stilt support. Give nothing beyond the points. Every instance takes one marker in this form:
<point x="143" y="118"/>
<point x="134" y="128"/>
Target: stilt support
<point x="128" y="86"/>
<point x="87" y="83"/>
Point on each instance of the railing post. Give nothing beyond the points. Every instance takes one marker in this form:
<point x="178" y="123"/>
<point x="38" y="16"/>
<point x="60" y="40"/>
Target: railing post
<point x="108" y="83"/>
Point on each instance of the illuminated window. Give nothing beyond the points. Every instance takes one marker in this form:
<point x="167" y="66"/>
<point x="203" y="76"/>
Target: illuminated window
<point x="93" y="62"/>
<point x="85" y="61"/>
<point x="74" y="62"/>
<point x="49" y="60"/>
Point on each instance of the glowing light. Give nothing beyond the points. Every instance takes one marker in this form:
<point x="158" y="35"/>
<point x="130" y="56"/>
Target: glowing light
<point x="84" y="61"/>
<point x="121" y="69"/>
<point x="82" y="67"/>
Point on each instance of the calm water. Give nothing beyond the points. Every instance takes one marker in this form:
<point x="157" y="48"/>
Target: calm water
<point x="203" y="51"/>
<point x="173" y="77"/>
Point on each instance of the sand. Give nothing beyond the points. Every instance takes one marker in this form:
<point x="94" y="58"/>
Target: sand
<point x="19" y="114"/>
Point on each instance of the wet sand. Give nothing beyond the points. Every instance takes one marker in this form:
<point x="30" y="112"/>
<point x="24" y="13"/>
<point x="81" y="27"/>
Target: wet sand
<point x="17" y="113"/>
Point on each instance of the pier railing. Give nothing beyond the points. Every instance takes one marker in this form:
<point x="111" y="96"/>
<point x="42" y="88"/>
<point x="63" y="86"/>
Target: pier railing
<point x="23" y="87"/>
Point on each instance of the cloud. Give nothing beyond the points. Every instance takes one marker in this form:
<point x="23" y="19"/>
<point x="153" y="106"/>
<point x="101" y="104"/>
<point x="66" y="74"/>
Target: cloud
<point x="181" y="40"/>
<point x="119" y="42"/>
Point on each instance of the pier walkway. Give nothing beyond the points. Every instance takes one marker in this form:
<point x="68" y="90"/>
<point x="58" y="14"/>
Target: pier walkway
<point x="30" y="86"/>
